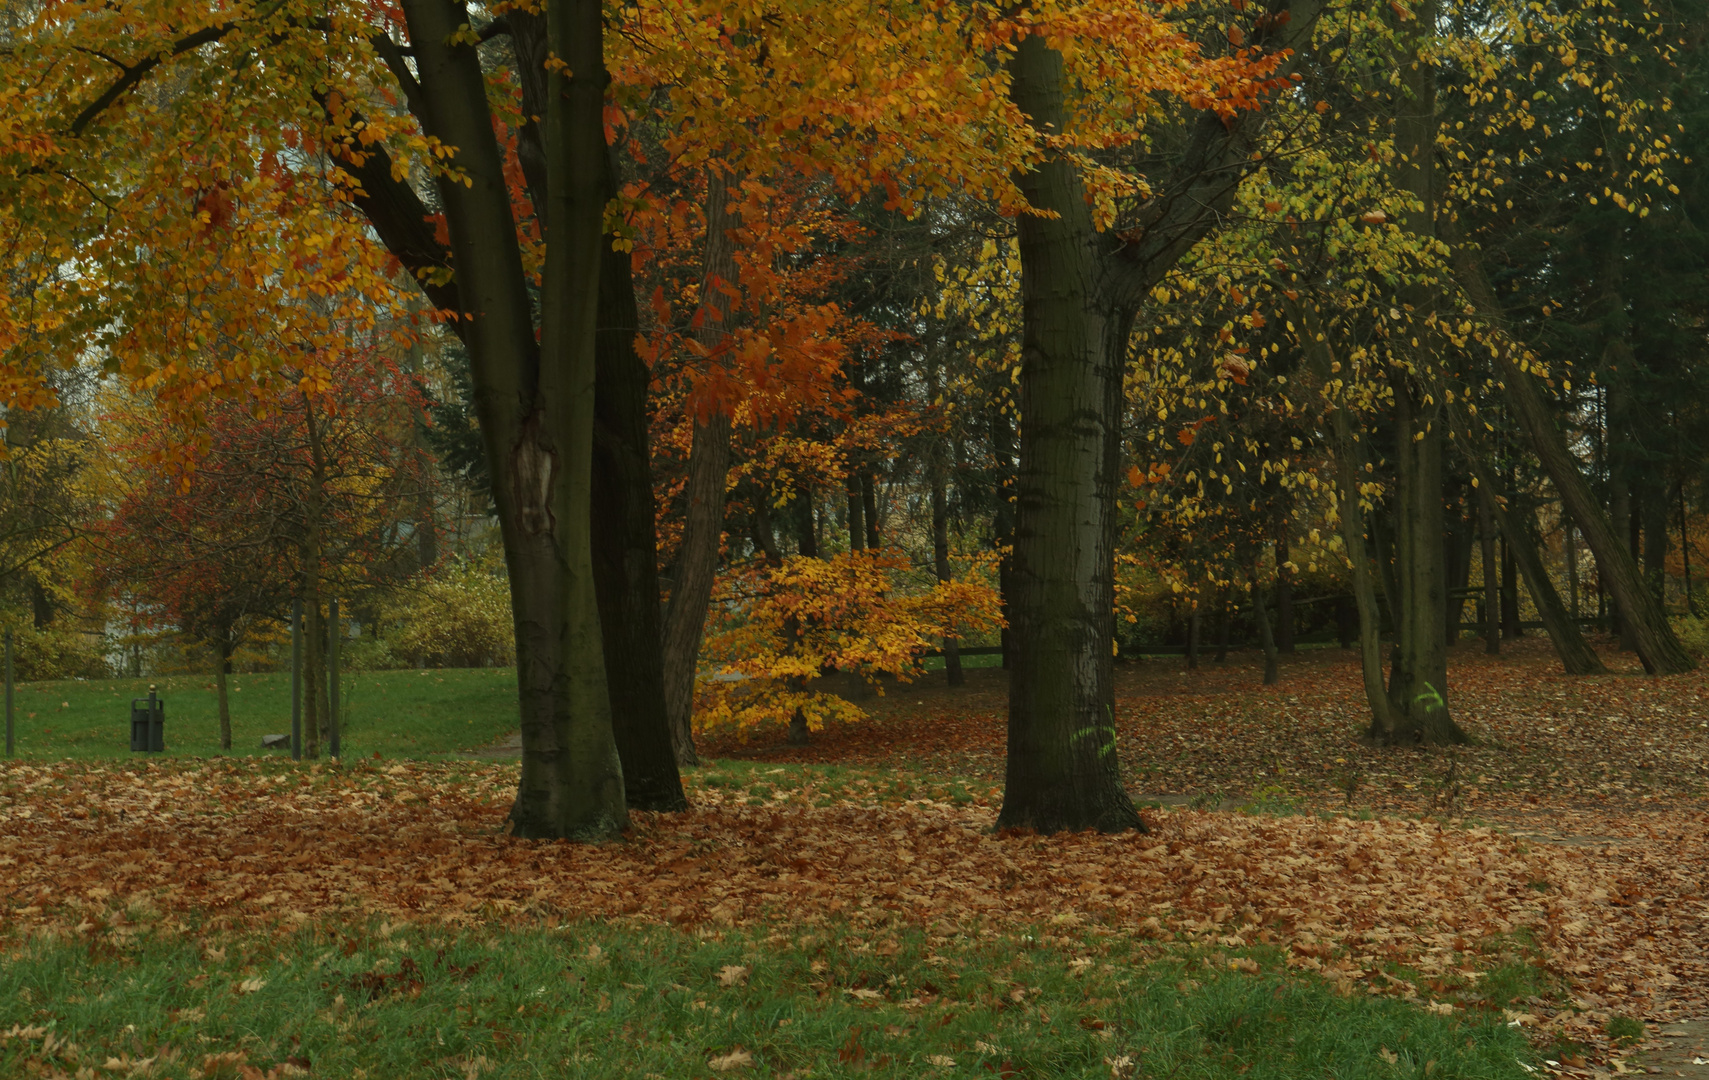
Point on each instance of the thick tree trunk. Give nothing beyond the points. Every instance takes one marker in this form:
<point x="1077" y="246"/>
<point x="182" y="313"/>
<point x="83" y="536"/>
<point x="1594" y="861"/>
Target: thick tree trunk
<point x="1510" y="622"/>
<point x="625" y="548"/>
<point x="625" y="552"/>
<point x="1652" y="636"/>
<point x="696" y="566"/>
<point x="1418" y="679"/>
<point x="1062" y="771"/>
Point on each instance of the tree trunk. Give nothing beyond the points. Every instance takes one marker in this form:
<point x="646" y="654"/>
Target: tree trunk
<point x="1510" y="628"/>
<point x="1653" y="509"/>
<point x="1458" y="554"/>
<point x="224" y="646"/>
<point x="1418" y="679"/>
<point x="1517" y="528"/>
<point x="625" y="547"/>
<point x="1265" y="638"/>
<point x="1492" y="597"/>
<point x="806" y="530"/>
<point x="314" y="626"/>
<point x="869" y="502"/>
<point x="1062" y="770"/>
<point x="1652" y="636"/>
<point x="1003" y="525"/>
<point x="857" y="511"/>
<point x="940" y="543"/>
<point x="696" y="566"/>
<point x="625" y="552"/>
<point x="1349" y="466"/>
<point x="1224" y="618"/>
<point x="1284" y="588"/>
<point x="1194" y="618"/>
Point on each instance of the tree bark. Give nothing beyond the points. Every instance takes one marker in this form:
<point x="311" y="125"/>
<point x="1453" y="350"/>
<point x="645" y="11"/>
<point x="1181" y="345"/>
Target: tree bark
<point x="1284" y="588"/>
<point x="1194" y="619"/>
<point x="224" y="646"/>
<point x="696" y="566"/>
<point x="1652" y="636"/>
<point x="940" y="543"/>
<point x="625" y="554"/>
<point x="625" y="547"/>
<point x="1062" y="771"/>
<point x="857" y="510"/>
<point x="869" y="502"/>
<point x="1261" y="613"/>
<point x="1492" y="598"/>
<point x="1349" y="466"/>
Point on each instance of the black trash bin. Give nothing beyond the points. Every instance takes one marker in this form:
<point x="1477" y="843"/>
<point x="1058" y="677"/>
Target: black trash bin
<point x="148" y="723"/>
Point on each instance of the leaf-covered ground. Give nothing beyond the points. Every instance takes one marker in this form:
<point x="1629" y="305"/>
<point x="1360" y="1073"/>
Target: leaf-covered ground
<point x="1574" y="837"/>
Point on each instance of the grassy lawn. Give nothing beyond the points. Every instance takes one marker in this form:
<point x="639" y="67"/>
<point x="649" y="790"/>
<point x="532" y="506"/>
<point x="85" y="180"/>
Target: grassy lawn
<point x="599" y="1000"/>
<point x="392" y="713"/>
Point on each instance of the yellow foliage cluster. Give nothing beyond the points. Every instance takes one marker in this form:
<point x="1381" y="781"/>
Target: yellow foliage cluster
<point x="779" y="627"/>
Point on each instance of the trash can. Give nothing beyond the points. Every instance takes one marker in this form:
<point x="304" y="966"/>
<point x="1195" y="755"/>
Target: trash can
<point x="148" y="723"/>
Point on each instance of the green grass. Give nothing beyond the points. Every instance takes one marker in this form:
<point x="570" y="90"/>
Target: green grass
<point x="394" y="713"/>
<point x="601" y="1001"/>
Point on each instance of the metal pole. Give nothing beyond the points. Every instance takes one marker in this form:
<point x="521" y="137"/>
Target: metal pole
<point x="296" y="680"/>
<point x="334" y="632"/>
<point x="8" y="693"/>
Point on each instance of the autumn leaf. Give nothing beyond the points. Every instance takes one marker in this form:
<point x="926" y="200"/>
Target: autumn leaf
<point x="735" y="1059"/>
<point x="732" y="975"/>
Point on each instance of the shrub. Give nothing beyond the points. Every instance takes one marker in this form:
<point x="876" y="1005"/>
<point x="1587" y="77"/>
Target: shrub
<point x="57" y="652"/>
<point x="460" y="617"/>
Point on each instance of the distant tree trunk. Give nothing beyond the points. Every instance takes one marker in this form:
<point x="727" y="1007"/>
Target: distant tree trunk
<point x="1654" y="511"/>
<point x="1510" y="628"/>
<point x="1684" y="554"/>
<point x="1194" y="618"/>
<point x="1492" y="579"/>
<point x="806" y="529"/>
<point x="1653" y="637"/>
<point x="224" y="645"/>
<point x="1458" y="552"/>
<point x="1570" y="545"/>
<point x="696" y="566"/>
<point x="1265" y="638"/>
<point x="1224" y="618"/>
<point x="1284" y="588"/>
<point x="41" y="604"/>
<point x="869" y="502"/>
<point x="314" y="625"/>
<point x="940" y="541"/>
<point x="1519" y="531"/>
<point x="1003" y="523"/>
<point x="857" y="511"/>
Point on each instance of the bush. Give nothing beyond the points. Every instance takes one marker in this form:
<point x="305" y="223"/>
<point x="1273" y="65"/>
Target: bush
<point x="460" y="617"/>
<point x="1693" y="634"/>
<point x="57" y="653"/>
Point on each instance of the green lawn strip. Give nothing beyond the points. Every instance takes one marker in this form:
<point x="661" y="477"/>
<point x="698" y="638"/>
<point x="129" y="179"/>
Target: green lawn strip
<point x="393" y="713"/>
<point x="597" y="1000"/>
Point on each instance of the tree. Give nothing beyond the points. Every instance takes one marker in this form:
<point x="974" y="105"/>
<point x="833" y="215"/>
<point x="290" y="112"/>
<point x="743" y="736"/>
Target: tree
<point x="297" y="495"/>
